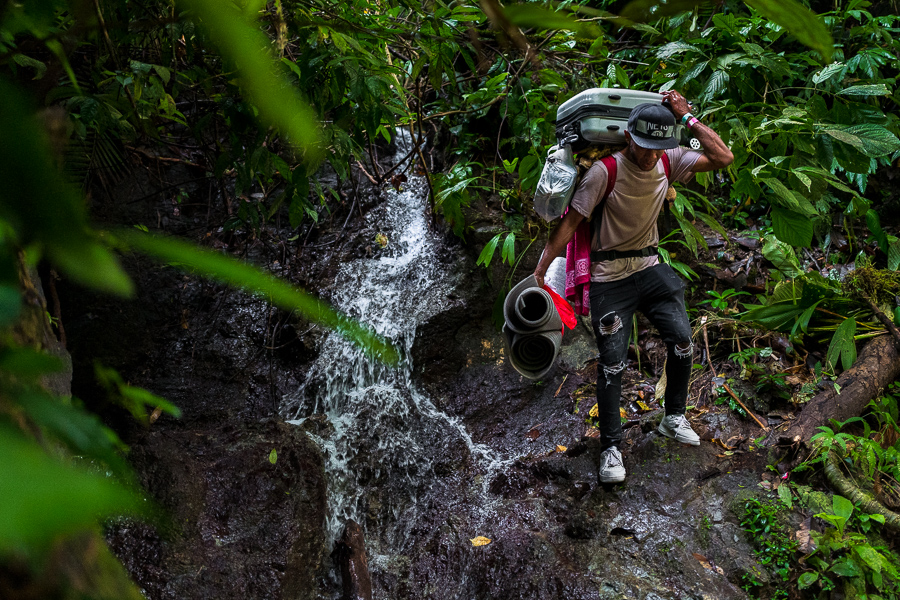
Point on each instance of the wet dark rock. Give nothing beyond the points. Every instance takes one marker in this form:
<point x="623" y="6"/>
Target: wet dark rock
<point x="236" y="524"/>
<point x="582" y="526"/>
<point x="746" y="242"/>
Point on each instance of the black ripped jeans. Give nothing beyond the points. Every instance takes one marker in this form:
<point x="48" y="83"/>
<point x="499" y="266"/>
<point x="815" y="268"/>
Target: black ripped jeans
<point x="658" y="293"/>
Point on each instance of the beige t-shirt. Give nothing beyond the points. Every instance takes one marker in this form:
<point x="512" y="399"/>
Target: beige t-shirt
<point x="629" y="217"/>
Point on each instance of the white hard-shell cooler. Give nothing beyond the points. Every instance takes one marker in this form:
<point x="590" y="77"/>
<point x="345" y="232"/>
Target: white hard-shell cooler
<point x="599" y="116"/>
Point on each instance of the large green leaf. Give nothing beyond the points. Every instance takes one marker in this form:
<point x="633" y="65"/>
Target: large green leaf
<point x="784" y="196"/>
<point x="876" y="89"/>
<point x="791" y="227"/>
<point x="801" y="22"/>
<point x="781" y="255"/>
<point x="776" y="316"/>
<point x="842" y="345"/>
<point x="230" y="271"/>
<point x="870" y="139"/>
<point x="43" y="498"/>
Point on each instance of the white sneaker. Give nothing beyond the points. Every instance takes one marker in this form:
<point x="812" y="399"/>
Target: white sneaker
<point x="677" y="427"/>
<point x="611" y="468"/>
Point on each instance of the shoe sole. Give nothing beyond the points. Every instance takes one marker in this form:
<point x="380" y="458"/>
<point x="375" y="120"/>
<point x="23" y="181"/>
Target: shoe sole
<point x="673" y="436"/>
<point x="612" y="479"/>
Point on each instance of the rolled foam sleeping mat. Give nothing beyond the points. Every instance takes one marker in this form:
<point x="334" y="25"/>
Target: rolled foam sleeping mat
<point x="532" y="329"/>
<point x="530" y="309"/>
<point x="533" y="355"/>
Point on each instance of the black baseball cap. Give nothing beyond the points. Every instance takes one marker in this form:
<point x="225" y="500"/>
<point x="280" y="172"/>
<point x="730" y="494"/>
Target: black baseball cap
<point x="652" y="126"/>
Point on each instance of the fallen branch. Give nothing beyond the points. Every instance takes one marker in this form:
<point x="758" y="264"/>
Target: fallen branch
<point x="852" y="492"/>
<point x="744" y="406"/>
<point x="877" y="366"/>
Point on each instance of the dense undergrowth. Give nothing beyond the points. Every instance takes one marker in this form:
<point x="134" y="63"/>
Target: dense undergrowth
<point x="263" y="102"/>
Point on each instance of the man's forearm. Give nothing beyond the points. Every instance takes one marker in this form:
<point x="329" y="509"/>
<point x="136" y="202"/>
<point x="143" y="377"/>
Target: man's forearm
<point x="559" y="237"/>
<point x="714" y="148"/>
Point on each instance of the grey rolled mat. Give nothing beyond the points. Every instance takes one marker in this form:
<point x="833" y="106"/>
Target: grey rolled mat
<point x="532" y="329"/>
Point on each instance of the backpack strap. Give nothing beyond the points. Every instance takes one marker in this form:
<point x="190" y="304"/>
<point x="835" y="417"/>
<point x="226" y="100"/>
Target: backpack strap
<point x="667" y="209"/>
<point x="612" y="168"/>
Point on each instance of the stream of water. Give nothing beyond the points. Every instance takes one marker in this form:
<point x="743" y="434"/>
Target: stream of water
<point x="386" y="435"/>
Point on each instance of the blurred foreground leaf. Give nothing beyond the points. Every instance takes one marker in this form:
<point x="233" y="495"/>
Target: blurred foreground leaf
<point x="43" y="498"/>
<point x="241" y="275"/>
<point x="799" y="21"/>
<point x="42" y="209"/>
<point x="245" y="45"/>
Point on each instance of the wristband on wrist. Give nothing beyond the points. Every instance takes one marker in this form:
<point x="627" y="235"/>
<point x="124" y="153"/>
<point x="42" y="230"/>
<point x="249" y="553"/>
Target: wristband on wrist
<point x="694" y="120"/>
<point x="686" y="118"/>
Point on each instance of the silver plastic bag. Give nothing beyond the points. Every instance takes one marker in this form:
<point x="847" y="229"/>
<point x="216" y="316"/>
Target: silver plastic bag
<point x="557" y="183"/>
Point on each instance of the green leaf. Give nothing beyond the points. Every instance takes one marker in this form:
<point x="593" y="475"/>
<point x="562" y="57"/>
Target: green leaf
<point x="828" y="72"/>
<point x="782" y="256"/>
<point x="715" y="85"/>
<point x="798" y="20"/>
<point x="842" y="507"/>
<point x="487" y="253"/>
<point x="273" y="456"/>
<point x="775" y="316"/>
<point x="651" y="10"/>
<point x="81" y="431"/>
<point x="870" y="139"/>
<point x="784" y="195"/>
<point x="673" y="48"/>
<point x="894" y="256"/>
<point x="878" y="89"/>
<point x="43" y="498"/>
<point x="807" y="579"/>
<point x="843" y="346"/>
<point x="874" y="225"/>
<point x="232" y="272"/>
<point x="870" y="556"/>
<point x="784" y="494"/>
<point x="28" y="364"/>
<point x="508" y="253"/>
<point x="846" y="568"/>
<point x="791" y="227"/>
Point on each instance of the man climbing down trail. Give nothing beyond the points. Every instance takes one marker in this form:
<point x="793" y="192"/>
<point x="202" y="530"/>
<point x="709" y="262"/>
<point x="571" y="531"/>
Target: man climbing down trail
<point x="625" y="273"/>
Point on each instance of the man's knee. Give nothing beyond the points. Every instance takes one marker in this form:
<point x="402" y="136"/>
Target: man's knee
<point x="609" y="324"/>
<point x="611" y="371"/>
<point x="683" y="349"/>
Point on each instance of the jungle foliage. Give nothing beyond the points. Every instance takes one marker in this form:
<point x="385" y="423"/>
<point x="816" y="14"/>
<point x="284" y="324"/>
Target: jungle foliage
<point x="267" y="96"/>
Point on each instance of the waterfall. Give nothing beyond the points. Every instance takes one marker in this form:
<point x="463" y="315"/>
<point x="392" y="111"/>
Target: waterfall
<point x="386" y="434"/>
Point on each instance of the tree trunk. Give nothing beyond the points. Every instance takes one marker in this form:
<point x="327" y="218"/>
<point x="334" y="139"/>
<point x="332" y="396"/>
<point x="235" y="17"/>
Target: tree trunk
<point x="877" y="366"/>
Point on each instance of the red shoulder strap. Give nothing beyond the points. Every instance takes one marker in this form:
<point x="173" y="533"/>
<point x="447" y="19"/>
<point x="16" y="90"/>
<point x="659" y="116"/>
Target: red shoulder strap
<point x="666" y="166"/>
<point x="611" y="170"/>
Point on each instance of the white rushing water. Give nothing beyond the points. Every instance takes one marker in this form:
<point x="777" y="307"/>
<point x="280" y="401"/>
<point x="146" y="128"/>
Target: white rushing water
<point x="386" y="433"/>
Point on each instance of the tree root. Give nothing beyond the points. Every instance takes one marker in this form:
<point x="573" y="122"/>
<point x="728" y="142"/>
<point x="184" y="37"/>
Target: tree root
<point x="864" y="500"/>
